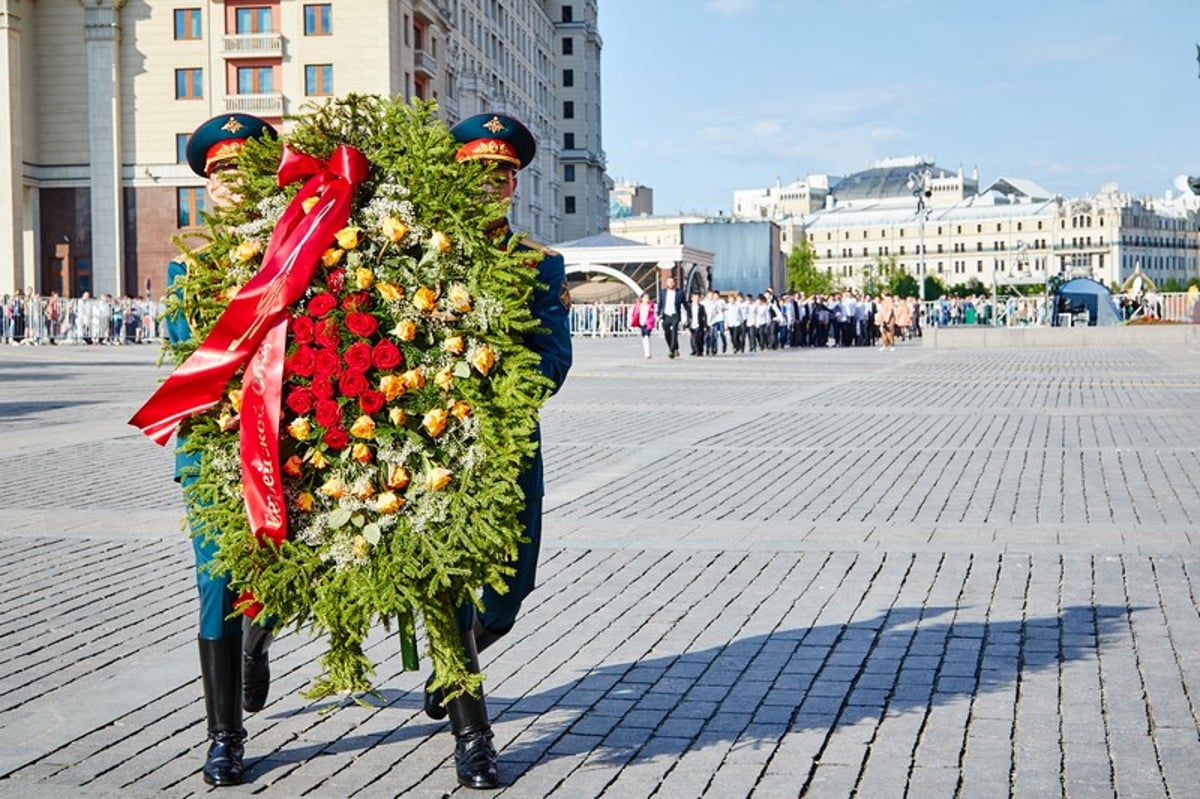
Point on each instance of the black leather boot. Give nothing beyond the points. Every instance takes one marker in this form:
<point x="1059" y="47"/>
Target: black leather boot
<point x="474" y="755"/>
<point x="434" y="697"/>
<point x="256" y="666"/>
<point x="221" y="670"/>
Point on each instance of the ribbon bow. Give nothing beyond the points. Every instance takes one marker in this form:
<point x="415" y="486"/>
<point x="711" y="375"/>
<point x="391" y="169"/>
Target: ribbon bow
<point x="252" y="333"/>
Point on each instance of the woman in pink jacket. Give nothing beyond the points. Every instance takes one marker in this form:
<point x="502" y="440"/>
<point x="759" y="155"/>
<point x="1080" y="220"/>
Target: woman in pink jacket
<point x="642" y="318"/>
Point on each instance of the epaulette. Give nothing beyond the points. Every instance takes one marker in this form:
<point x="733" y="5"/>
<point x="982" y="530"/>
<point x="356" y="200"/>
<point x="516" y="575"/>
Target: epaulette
<point x="537" y="245"/>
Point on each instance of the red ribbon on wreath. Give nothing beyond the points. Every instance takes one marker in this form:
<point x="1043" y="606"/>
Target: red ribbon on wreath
<point x="252" y="333"/>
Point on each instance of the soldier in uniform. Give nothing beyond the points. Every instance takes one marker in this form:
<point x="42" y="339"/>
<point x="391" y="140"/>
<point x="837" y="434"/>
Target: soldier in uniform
<point x="509" y="147"/>
<point x="233" y="652"/>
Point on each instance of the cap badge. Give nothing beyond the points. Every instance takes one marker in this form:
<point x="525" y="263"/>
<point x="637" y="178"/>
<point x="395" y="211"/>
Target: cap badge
<point x="232" y="125"/>
<point x="494" y="125"/>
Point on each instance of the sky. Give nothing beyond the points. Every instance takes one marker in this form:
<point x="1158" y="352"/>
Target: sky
<point x="703" y="97"/>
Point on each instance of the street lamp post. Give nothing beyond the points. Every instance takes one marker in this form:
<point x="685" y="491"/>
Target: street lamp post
<point x="918" y="184"/>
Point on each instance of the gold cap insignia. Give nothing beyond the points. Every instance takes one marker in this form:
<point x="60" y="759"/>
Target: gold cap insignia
<point x="494" y="125"/>
<point x="232" y="125"/>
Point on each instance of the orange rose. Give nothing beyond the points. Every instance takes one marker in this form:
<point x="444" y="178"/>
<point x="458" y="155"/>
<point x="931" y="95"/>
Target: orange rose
<point x="424" y="299"/>
<point x="299" y="428"/>
<point x="387" y="502"/>
<point x="333" y="488"/>
<point x="317" y="459"/>
<point x="460" y="298"/>
<point x="332" y="256"/>
<point x="292" y="466"/>
<point x="364" y="278"/>
<point x="305" y="502"/>
<point x="483" y="359"/>
<point x="435" y="422"/>
<point x="440" y="242"/>
<point x="391" y="386"/>
<point x="390" y="292"/>
<point x="361" y="452"/>
<point x="438" y="478"/>
<point x="414" y="378"/>
<point x="444" y="378"/>
<point x="460" y="410"/>
<point x="347" y="239"/>
<point x="235" y="399"/>
<point x="397" y="416"/>
<point x="397" y="477"/>
<point x="363" y="427"/>
<point x="406" y="330"/>
<point x="394" y="230"/>
<point x="363" y="489"/>
<point x="454" y="345"/>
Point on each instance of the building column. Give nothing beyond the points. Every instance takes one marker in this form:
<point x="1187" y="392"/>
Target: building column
<point x="102" y="34"/>
<point x="12" y="256"/>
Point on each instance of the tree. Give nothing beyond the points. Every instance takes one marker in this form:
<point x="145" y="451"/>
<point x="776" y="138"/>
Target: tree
<point x="803" y="273"/>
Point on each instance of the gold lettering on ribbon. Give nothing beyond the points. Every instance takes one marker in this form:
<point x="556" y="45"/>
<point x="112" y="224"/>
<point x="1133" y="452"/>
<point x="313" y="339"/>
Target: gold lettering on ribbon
<point x="263" y="463"/>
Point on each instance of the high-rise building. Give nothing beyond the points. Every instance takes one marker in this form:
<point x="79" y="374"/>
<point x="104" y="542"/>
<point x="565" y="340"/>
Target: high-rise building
<point x="101" y="95"/>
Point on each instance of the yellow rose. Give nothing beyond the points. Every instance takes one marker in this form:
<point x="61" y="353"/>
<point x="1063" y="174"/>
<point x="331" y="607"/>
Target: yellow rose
<point x="435" y="422"/>
<point x="444" y="378"/>
<point x="440" y="242"/>
<point x="227" y="421"/>
<point x="308" y="204"/>
<point x="363" y="427"/>
<point x="305" y="501"/>
<point x="414" y="378"/>
<point x="333" y="488"/>
<point x="247" y="250"/>
<point x="363" y="489"/>
<point x="359" y="548"/>
<point x="387" y="502"/>
<point x="292" y="466"/>
<point x="406" y="330"/>
<point x="390" y="292"/>
<point x="483" y="359"/>
<point x="347" y="238"/>
<point x="332" y="256"/>
<point x="364" y="278"/>
<point x="397" y="416"/>
<point x="361" y="452"/>
<point x="397" y="477"/>
<point x="235" y="399"/>
<point x="317" y="459"/>
<point x="454" y="345"/>
<point x="460" y="298"/>
<point x="438" y="478"/>
<point x="391" y="386"/>
<point x="424" y="299"/>
<point x="394" y="229"/>
<point x="299" y="428"/>
<point x="460" y="410"/>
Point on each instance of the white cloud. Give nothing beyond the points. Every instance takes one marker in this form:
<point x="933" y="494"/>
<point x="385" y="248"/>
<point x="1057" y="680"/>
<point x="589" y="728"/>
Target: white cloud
<point x="730" y="8"/>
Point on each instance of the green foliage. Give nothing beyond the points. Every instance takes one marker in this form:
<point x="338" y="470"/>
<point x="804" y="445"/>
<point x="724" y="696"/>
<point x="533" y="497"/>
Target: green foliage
<point x="803" y="274"/>
<point x="353" y="566"/>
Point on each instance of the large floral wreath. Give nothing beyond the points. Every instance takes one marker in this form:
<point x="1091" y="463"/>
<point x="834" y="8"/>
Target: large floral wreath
<point x="408" y="399"/>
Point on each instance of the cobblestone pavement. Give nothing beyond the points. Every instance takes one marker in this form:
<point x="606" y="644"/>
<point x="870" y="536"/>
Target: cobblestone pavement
<point x="822" y="573"/>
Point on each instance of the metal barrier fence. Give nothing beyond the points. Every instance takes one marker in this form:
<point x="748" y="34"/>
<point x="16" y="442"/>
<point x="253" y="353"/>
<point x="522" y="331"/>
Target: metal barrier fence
<point x="79" y="320"/>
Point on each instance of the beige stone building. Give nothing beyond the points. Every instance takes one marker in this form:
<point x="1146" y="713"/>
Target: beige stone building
<point x="101" y="95"/>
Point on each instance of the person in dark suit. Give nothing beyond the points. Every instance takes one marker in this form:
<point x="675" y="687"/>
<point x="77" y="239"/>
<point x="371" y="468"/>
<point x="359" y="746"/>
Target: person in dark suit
<point x="233" y="651"/>
<point x="697" y="323"/>
<point x="509" y="147"/>
<point x="669" y="310"/>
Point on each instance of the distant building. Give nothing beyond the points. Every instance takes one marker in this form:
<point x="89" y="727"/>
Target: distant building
<point x="777" y="202"/>
<point x="630" y="199"/>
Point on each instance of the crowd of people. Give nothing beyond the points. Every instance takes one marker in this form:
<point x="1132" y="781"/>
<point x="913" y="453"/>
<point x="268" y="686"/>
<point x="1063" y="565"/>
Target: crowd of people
<point x="28" y="318"/>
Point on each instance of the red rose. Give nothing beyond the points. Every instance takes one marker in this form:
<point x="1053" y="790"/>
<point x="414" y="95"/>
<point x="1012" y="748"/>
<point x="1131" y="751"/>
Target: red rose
<point x="326" y="363"/>
<point x="336" y="279"/>
<point x="358" y="356"/>
<point x="329" y="414"/>
<point x="321" y="304"/>
<point x="327" y="334"/>
<point x="302" y="330"/>
<point x="302" y="361"/>
<point x="370" y="401"/>
<point x="300" y="400"/>
<point x="322" y="387"/>
<point x="358" y="301"/>
<point x="386" y="355"/>
<point x="351" y="384"/>
<point x="361" y="324"/>
<point x="337" y="438"/>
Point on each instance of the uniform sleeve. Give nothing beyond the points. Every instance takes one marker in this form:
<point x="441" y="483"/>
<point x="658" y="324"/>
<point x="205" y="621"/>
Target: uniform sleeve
<point x="178" y="329"/>
<point x="551" y="305"/>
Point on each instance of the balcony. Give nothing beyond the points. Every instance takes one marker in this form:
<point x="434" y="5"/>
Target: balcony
<point x="424" y="63"/>
<point x="252" y="45"/>
<point x="263" y="105"/>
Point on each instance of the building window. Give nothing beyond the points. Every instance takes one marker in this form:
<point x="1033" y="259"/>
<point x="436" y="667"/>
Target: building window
<point x="317" y="19"/>
<point x="189" y="84"/>
<point x="568" y="46"/>
<point x="570" y="207"/>
<point x="181" y="142"/>
<point x="568" y="77"/>
<point x="255" y="80"/>
<point x="253" y="19"/>
<point x="187" y="24"/>
<point x="569" y="173"/>
<point x="568" y="109"/>
<point x="568" y="141"/>
<point x="190" y="202"/>
<point x="568" y="14"/>
<point x="318" y="80"/>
